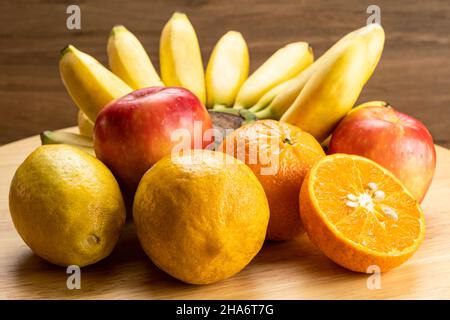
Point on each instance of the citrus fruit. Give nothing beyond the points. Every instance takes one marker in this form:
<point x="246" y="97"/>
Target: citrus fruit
<point x="200" y="216"/>
<point x="66" y="205"/>
<point x="280" y="155"/>
<point x="359" y="214"/>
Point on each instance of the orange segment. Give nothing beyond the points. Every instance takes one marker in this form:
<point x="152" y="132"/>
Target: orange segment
<point x="359" y="214"/>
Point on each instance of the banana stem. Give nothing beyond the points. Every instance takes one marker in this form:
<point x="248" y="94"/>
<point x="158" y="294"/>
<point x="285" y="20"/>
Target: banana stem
<point x="258" y="107"/>
<point x="266" y="114"/>
<point x="218" y="107"/>
<point x="248" y="116"/>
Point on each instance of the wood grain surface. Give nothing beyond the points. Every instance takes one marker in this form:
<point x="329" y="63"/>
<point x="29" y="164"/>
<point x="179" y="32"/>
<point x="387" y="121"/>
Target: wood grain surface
<point x="282" y="270"/>
<point x="414" y="73"/>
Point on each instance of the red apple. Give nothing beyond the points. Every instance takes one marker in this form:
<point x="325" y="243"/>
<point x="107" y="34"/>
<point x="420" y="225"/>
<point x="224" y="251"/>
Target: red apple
<point x="394" y="140"/>
<point x="135" y="131"/>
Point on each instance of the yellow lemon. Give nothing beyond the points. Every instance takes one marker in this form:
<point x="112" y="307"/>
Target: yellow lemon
<point x="201" y="216"/>
<point x="66" y="205"/>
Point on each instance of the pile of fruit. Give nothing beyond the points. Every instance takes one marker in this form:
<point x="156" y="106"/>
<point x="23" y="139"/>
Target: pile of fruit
<point x="203" y="197"/>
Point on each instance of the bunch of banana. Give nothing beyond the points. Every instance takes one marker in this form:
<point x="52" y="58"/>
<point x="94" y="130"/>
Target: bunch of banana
<point x="275" y="102"/>
<point x="284" y="64"/>
<point x="288" y="86"/>
<point x="226" y="71"/>
<point x="92" y="86"/>
<point x="128" y="60"/>
<point x="334" y="87"/>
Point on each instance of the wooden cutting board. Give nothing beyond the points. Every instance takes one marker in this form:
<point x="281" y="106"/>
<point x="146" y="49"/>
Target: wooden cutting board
<point x="285" y="270"/>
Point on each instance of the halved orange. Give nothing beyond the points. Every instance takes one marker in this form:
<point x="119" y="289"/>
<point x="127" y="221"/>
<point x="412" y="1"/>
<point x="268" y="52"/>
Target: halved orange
<point x="359" y="214"/>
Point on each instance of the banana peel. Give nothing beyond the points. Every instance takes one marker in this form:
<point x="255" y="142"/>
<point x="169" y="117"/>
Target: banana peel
<point x="227" y="69"/>
<point x="89" y="83"/>
<point x="82" y="142"/>
<point x="279" y="102"/>
<point x="129" y="60"/>
<point x="330" y="93"/>
<point x="85" y="126"/>
<point x="283" y="65"/>
<point x="180" y="57"/>
<point x="287" y="95"/>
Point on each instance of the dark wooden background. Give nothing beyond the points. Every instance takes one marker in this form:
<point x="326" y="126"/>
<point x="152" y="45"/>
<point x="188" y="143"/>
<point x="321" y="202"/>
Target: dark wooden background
<point x="414" y="73"/>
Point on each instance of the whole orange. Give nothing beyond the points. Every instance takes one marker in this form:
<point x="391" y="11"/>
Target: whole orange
<point x="280" y="155"/>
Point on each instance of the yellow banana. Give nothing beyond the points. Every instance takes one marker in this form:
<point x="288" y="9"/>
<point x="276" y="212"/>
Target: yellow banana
<point x="82" y="142"/>
<point x="90" y="84"/>
<point x="280" y="102"/>
<point x="128" y="60"/>
<point x="180" y="57"/>
<point x="270" y="95"/>
<point x="288" y="91"/>
<point x="284" y="64"/>
<point x="335" y="86"/>
<point x="227" y="69"/>
<point x="85" y="126"/>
